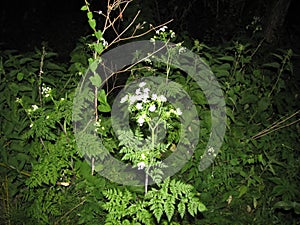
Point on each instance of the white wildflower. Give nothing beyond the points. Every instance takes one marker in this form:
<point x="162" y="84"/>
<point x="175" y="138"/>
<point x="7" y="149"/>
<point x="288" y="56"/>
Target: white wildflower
<point x="47" y="117"/>
<point x="104" y="42"/>
<point x="142" y="84"/>
<point x="139" y="106"/>
<point x="34" y="107"/>
<point x="141" y="165"/>
<point x="141" y="120"/>
<point x="172" y="34"/>
<point x="143" y="156"/>
<point x="124" y="99"/>
<point x="133" y="99"/>
<point x="152" y="108"/>
<point x="146" y="90"/>
<point x="46" y="91"/>
<point x="182" y="50"/>
<point x="138" y="91"/>
<point x="18" y="100"/>
<point x="162" y="29"/>
<point x="178" y="111"/>
<point x="162" y="98"/>
<point x="31" y="125"/>
<point x="210" y="151"/>
<point x="154" y="97"/>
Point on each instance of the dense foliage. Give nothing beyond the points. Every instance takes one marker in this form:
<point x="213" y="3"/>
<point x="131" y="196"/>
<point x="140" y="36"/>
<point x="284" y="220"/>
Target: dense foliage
<point x="254" y="179"/>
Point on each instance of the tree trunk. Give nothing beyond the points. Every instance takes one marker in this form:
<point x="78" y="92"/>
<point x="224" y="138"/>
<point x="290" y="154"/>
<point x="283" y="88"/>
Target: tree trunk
<point x="275" y="20"/>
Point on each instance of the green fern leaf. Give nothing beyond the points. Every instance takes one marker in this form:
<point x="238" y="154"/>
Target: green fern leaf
<point x="169" y="208"/>
<point x="181" y="208"/>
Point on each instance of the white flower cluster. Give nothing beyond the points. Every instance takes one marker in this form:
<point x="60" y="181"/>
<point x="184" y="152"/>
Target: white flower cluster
<point x="141" y="165"/>
<point x="98" y="126"/>
<point x="211" y="151"/>
<point x="162" y="29"/>
<point x="143" y="100"/>
<point x="46" y="91"/>
<point x="32" y="109"/>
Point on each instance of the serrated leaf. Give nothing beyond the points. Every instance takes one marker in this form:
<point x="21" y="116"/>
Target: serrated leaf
<point x="181" y="208"/>
<point x="169" y="209"/>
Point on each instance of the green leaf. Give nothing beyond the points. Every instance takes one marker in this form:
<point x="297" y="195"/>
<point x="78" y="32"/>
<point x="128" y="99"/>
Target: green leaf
<point x="20" y="76"/>
<point x="227" y="58"/>
<point x="201" y="207"/>
<point x="98" y="35"/>
<point x="90" y="15"/>
<point x="181" y="208"/>
<point x="99" y="48"/>
<point x="103" y="106"/>
<point x="84" y="8"/>
<point x="93" y="65"/>
<point x="96" y="80"/>
<point x="243" y="189"/>
<point x="169" y="209"/>
<point x="263" y="104"/>
<point x="92" y="23"/>
<point x="274" y="65"/>
<point x="288" y="205"/>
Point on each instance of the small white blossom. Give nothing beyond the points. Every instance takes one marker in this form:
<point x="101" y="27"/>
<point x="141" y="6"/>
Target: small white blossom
<point x="139" y="106"/>
<point x="62" y="99"/>
<point x="138" y="91"/>
<point x="172" y="34"/>
<point x="162" y="29"/>
<point x="162" y="98"/>
<point x="154" y="97"/>
<point x="146" y="90"/>
<point x="141" y="165"/>
<point x="47" y="117"/>
<point x="143" y="156"/>
<point x="124" y="99"/>
<point x="133" y="99"/>
<point x="142" y="84"/>
<point x="34" y="107"/>
<point x="31" y="125"/>
<point x="144" y="97"/>
<point x="210" y="151"/>
<point x="152" y="108"/>
<point x="141" y="120"/>
<point x="178" y="111"/>
<point x="182" y="50"/>
<point x="46" y="91"/>
<point x="104" y="42"/>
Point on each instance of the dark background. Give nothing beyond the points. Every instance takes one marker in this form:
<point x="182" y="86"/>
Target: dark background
<point x="26" y="24"/>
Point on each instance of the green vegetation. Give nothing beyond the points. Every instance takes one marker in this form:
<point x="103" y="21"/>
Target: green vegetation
<point x="45" y="178"/>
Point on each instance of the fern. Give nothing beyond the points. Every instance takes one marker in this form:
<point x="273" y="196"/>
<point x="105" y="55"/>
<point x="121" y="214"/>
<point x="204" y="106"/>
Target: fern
<point x="170" y="194"/>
